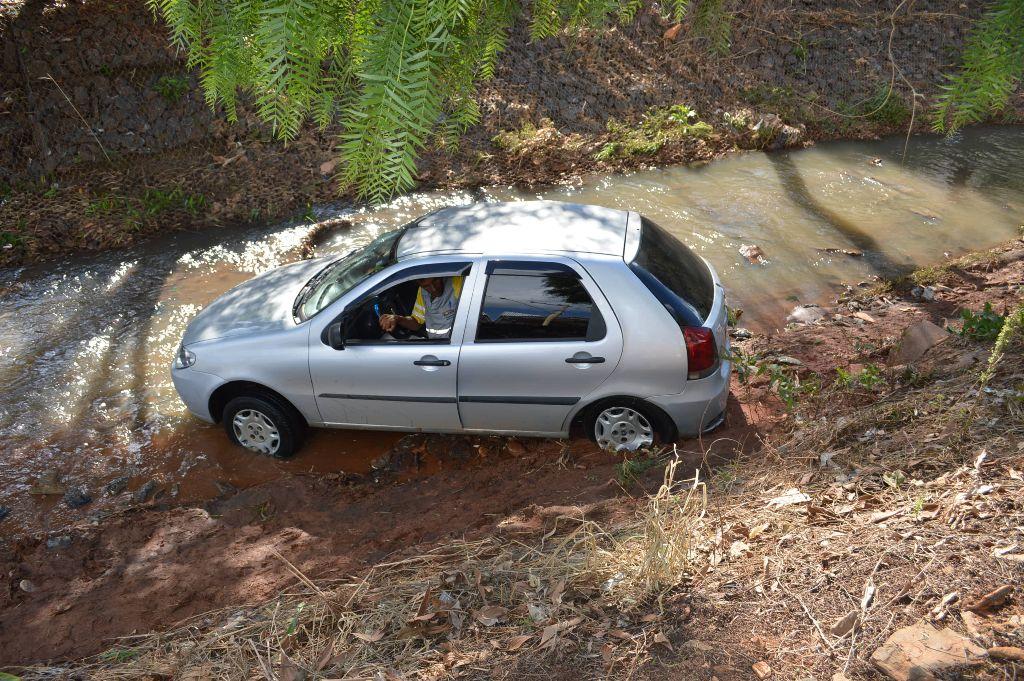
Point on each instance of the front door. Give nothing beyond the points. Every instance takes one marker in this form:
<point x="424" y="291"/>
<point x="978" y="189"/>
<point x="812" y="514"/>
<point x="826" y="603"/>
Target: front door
<point x="543" y="339"/>
<point x="401" y="384"/>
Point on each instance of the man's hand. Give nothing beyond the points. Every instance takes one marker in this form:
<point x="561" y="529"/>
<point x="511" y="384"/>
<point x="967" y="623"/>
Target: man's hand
<point x="388" y="322"/>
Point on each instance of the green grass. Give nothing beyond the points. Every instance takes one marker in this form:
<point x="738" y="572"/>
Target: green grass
<point x="659" y="126"/>
<point x="152" y="203"/>
<point x="172" y="88"/>
<point x="886" y="107"/>
<point x="629" y="470"/>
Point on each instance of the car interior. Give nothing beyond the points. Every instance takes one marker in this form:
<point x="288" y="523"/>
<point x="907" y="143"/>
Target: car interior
<point x="399" y="299"/>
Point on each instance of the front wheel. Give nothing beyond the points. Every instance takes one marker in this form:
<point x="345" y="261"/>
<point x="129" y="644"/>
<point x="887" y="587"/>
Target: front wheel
<point x="622" y="426"/>
<point x="263" y="426"/>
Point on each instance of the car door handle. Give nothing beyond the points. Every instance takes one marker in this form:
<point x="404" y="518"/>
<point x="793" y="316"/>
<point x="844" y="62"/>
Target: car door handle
<point x="432" y="363"/>
<point x="584" y="360"/>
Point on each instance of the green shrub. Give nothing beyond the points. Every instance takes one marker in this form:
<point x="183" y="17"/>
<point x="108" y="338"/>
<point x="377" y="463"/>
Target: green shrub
<point x="984" y="326"/>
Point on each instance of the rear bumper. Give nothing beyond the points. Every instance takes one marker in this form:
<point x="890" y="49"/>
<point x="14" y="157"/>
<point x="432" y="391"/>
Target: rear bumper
<point x="701" y="405"/>
<point x="194" y="388"/>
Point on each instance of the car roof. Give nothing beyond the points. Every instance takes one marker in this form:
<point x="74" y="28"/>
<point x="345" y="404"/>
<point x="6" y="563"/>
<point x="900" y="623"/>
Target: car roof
<point x="517" y="227"/>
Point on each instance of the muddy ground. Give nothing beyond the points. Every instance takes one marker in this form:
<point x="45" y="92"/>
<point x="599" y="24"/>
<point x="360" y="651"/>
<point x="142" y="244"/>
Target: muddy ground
<point x="72" y="593"/>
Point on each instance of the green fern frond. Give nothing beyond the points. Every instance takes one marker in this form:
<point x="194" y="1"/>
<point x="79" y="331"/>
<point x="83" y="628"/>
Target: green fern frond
<point x="992" y="68"/>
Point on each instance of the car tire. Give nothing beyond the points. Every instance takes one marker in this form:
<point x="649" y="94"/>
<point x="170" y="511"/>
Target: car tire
<point x="626" y="424"/>
<point x="263" y="425"/>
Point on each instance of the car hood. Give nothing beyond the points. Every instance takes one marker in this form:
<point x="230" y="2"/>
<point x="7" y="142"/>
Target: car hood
<point x="261" y="304"/>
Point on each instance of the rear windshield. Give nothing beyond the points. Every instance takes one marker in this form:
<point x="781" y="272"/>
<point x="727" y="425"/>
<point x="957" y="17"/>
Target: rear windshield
<point x="677" y="277"/>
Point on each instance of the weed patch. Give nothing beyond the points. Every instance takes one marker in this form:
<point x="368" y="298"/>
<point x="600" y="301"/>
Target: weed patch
<point x="172" y="88"/>
<point x="983" y="326"/>
<point x="659" y="126"/>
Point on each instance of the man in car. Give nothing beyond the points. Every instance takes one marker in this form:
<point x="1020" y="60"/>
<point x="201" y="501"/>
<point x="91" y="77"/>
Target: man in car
<point x="434" y="312"/>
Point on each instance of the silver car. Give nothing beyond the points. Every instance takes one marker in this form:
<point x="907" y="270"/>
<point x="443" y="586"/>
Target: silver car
<point x="566" y="316"/>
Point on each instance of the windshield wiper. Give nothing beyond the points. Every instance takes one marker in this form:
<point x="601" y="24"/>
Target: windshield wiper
<point x="300" y="299"/>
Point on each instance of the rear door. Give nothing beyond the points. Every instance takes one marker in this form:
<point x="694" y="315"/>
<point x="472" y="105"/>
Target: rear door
<point x="540" y="338"/>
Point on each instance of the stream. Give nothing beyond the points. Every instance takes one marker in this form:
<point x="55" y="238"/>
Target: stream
<point x="85" y="343"/>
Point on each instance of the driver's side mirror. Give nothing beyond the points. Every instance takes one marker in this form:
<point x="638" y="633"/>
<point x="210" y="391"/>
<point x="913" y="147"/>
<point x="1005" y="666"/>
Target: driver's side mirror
<point x="336" y="335"/>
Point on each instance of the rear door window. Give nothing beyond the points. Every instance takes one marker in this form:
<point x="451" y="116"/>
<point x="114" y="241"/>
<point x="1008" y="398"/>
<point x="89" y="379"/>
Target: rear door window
<point x="537" y="306"/>
<point x="677" y="277"/>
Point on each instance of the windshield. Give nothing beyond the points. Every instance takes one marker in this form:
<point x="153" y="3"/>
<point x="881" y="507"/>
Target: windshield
<point x="340" y="276"/>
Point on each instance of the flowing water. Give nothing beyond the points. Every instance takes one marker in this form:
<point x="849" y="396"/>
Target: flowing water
<point x="85" y="344"/>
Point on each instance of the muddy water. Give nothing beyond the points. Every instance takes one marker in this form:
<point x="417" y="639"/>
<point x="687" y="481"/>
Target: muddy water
<point x="85" y="344"/>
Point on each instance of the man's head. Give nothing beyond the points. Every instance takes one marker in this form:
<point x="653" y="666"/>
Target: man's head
<point x="432" y="285"/>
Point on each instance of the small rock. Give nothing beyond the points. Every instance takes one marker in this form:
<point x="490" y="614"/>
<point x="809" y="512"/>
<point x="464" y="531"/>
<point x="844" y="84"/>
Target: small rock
<point x="866" y="317"/>
<point x="753" y="254"/>
<point x="4" y="512"/>
<point x="739" y="333"/>
<point x="1011" y="653"/>
<point x="515" y="448"/>
<point x="693" y="646"/>
<point x="56" y="543"/>
<point x="920" y="651"/>
<point x="976" y="626"/>
<point x="928" y="293"/>
<point x="788" y="361"/>
<point x="76" y="497"/>
<point x="26" y="586"/>
<point x="807" y="314"/>
<point x="917" y="339"/>
<point x="116" y="486"/>
<point x="225" y="488"/>
<point x="761" y="669"/>
<point x="142" y="493"/>
<point x="47" y="484"/>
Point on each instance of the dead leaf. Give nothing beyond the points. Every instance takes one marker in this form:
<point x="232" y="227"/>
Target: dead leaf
<point x="1011" y="653"/>
<point x="673" y="32"/>
<point x="846" y="625"/>
<point x="619" y="633"/>
<point x="882" y="516"/>
<point x="789" y="497"/>
<point x="663" y="640"/>
<point x="650" y="617"/>
<point x="369" y="638"/>
<point x="516" y="642"/>
<point x="992" y="600"/>
<point x="289" y="671"/>
<point x="557" y="591"/>
<point x="549" y="632"/>
<point x="491" y="615"/>
<point x="327" y="167"/>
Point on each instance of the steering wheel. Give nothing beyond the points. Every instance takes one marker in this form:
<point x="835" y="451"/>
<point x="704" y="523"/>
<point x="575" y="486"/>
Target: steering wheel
<point x="399" y="332"/>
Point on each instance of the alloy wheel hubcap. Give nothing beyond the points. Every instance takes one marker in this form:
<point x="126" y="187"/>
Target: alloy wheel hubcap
<point x="256" y="432"/>
<point x="623" y="429"/>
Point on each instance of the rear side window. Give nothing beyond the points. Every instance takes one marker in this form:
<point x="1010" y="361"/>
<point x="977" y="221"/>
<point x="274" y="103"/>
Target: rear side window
<point x="538" y="307"/>
<point x="679" y="279"/>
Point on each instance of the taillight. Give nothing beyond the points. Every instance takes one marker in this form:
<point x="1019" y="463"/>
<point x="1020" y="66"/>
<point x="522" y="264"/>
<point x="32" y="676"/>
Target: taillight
<point x="701" y="352"/>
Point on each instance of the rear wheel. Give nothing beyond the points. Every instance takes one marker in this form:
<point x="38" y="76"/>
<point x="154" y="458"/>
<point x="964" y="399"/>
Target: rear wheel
<point x="624" y="426"/>
<point x="261" y="425"/>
